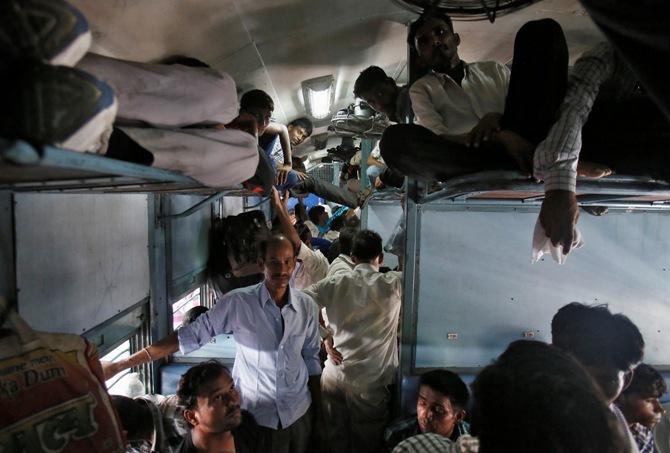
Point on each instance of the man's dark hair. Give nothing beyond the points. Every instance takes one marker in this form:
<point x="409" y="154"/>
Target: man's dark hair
<point x="337" y="223"/>
<point x="367" y="246"/>
<point x="448" y="384"/>
<point x="346" y="239"/>
<point x="353" y="222"/>
<point x="273" y="238"/>
<point x="433" y="13"/>
<point x="135" y="417"/>
<point x="315" y="212"/>
<point x="191" y="384"/>
<point x="646" y="382"/>
<point x="256" y="99"/>
<point x="193" y="314"/>
<point x="368" y="79"/>
<point x="538" y="390"/>
<point x="596" y="337"/>
<point x="305" y="123"/>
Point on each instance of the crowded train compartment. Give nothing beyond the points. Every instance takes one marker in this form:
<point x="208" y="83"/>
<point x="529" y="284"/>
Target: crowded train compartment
<point x="228" y="115"/>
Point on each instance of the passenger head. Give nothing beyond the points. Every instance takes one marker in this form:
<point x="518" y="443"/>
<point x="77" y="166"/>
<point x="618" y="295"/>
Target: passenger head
<point x="535" y="397"/>
<point x="210" y="400"/>
<point x="318" y="215"/>
<point x="640" y="402"/>
<point x="609" y="346"/>
<point x="378" y="90"/>
<point x="276" y="256"/>
<point x="346" y="239"/>
<point x="193" y="314"/>
<point x="259" y="104"/>
<point x="135" y="416"/>
<point x="299" y="130"/>
<point x="443" y="398"/>
<point x="337" y="223"/>
<point x="433" y="39"/>
<point x="353" y="222"/>
<point x="367" y="248"/>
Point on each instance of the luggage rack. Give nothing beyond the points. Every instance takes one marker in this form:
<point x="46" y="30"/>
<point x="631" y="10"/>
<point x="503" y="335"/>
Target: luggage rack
<point x="24" y="168"/>
<point x="512" y="188"/>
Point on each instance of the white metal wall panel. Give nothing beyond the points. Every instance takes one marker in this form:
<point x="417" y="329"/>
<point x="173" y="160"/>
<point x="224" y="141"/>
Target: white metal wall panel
<point x="382" y="218"/>
<point x="476" y="281"/>
<point x="189" y="241"/>
<point x="81" y="259"/>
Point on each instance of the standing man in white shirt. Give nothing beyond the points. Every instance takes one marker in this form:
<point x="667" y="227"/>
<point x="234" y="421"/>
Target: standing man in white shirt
<point x="363" y="308"/>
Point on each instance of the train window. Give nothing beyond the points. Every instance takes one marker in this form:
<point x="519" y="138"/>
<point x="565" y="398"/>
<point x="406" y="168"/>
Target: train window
<point x="179" y="308"/>
<point x="119" y="383"/>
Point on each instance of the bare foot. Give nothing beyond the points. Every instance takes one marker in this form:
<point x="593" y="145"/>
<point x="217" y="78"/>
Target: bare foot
<point x="593" y="170"/>
<point x="519" y="148"/>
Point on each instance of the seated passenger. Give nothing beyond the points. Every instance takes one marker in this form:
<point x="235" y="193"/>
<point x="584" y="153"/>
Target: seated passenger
<point x="533" y="398"/>
<point x="609" y="346"/>
<point x="278" y="141"/>
<point x="318" y="220"/>
<point x="336" y="225"/>
<point x="211" y="406"/>
<point x="536" y="397"/>
<point x="641" y="405"/>
<point x="150" y="422"/>
<point x="440" y="409"/>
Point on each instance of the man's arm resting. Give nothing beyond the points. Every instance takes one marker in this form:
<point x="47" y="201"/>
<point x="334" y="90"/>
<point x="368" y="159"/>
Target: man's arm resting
<point x="158" y="350"/>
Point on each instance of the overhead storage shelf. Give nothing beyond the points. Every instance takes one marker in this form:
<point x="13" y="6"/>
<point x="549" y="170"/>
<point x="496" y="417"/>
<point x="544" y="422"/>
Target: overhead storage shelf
<point x="24" y="168"/>
<point x="509" y="187"/>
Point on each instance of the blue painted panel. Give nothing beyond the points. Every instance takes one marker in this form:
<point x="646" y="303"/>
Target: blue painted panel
<point x="476" y="280"/>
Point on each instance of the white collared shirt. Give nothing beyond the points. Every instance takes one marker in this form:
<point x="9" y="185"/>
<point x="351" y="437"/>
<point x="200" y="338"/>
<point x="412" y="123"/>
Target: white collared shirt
<point x="362" y="304"/>
<point x="312" y="267"/>
<point x="343" y="263"/>
<point x="444" y="107"/>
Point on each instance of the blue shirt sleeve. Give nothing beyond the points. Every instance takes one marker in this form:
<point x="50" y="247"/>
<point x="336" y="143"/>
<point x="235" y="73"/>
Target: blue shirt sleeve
<point x="219" y="320"/>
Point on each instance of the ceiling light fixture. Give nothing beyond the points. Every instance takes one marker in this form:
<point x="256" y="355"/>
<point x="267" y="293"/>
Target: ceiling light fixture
<point x="319" y="94"/>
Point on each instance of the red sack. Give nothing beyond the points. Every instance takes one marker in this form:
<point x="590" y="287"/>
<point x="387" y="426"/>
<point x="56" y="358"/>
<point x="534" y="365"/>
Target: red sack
<point x="52" y="393"/>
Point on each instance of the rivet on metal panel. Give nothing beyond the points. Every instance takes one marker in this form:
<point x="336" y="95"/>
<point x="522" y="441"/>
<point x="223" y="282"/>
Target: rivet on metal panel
<point x="452" y="336"/>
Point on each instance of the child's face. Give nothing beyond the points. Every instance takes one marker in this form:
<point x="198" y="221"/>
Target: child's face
<point x="645" y="410"/>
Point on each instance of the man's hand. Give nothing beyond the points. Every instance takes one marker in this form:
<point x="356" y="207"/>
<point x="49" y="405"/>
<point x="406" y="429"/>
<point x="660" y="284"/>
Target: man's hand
<point x="278" y="202"/>
<point x="334" y="355"/>
<point x="558" y="217"/>
<point x="282" y="174"/>
<point x="379" y="184"/>
<point x="484" y="130"/>
<point x="520" y="149"/>
<point x="301" y="176"/>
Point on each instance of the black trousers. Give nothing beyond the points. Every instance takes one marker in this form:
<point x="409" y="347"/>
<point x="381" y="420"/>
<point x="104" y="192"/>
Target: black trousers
<point x="326" y="191"/>
<point x="632" y="143"/>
